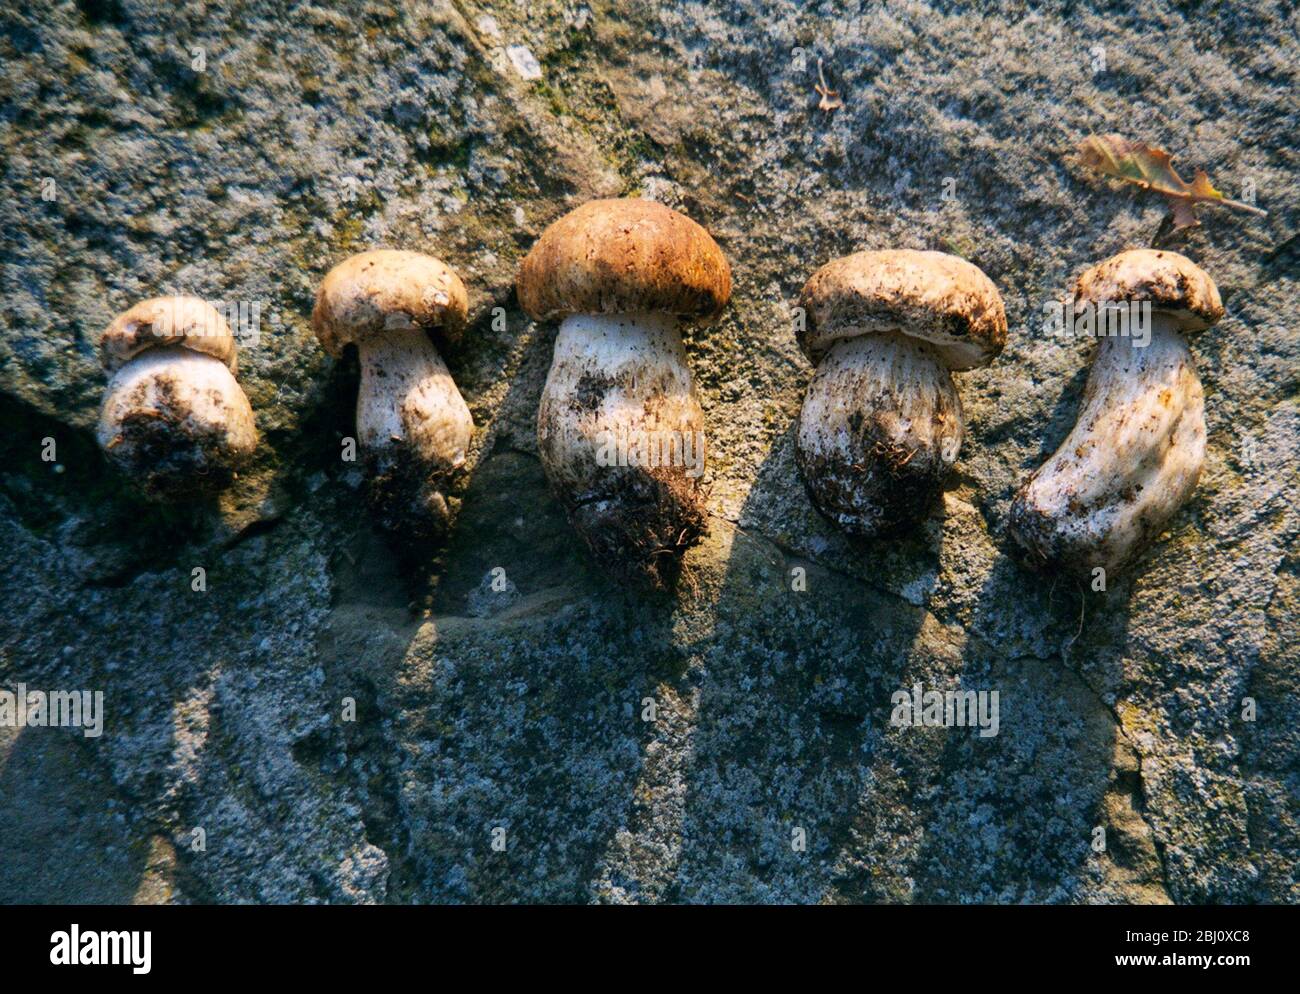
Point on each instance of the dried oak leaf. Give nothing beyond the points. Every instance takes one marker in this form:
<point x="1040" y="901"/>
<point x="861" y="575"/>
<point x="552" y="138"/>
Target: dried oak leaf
<point x="1152" y="169"/>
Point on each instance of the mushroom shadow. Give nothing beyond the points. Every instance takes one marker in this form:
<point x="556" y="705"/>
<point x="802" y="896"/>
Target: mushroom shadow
<point x="64" y="835"/>
<point x="1049" y="808"/>
<point x="515" y="708"/>
<point x="1016" y="817"/>
<point x="797" y="662"/>
<point x="800" y="786"/>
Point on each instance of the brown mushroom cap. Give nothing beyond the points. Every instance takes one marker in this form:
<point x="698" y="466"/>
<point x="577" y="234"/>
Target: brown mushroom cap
<point x="623" y="256"/>
<point x="160" y="321"/>
<point x="388" y="290"/>
<point x="931" y="296"/>
<point x="1173" y="283"/>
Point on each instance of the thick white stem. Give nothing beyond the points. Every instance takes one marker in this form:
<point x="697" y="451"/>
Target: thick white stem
<point x="880" y="428"/>
<point x="176" y="421"/>
<point x="1130" y="462"/>
<point x="621" y="435"/>
<point x="619" y="391"/>
<point x="408" y="400"/>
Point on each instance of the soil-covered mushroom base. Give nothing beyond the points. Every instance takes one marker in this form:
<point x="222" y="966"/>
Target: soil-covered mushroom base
<point x="176" y="423"/>
<point x="641" y="522"/>
<point x="879" y="432"/>
<point x="407" y="497"/>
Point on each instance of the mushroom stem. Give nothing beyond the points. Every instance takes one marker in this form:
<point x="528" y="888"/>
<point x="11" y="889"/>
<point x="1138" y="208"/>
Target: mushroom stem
<point x="880" y="428"/>
<point x="413" y="427"/>
<point x="1133" y="457"/>
<point x="621" y="436"/>
<point x="177" y="421"/>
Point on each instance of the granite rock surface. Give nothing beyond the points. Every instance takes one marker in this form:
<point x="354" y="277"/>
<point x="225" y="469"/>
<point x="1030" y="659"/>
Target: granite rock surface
<point x="324" y="714"/>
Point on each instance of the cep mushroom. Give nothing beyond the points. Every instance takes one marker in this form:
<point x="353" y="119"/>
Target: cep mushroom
<point x="1136" y="451"/>
<point x="881" y="424"/>
<point x="413" y="426"/>
<point x="174" y="418"/>
<point x="619" y="428"/>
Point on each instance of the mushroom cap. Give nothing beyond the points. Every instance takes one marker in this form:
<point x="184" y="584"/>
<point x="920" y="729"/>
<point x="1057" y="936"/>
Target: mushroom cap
<point x="622" y="256"/>
<point x="161" y="321"/>
<point x="388" y="290"/>
<point x="1173" y="283"/>
<point x="930" y="296"/>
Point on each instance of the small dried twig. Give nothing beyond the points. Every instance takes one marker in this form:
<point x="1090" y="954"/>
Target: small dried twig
<point x="830" y="99"/>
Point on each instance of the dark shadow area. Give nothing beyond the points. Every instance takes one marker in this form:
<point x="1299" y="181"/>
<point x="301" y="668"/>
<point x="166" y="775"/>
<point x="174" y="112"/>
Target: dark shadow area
<point x="512" y="707"/>
<point x="65" y="835"/>
<point x="78" y="498"/>
<point x="791" y="682"/>
<point x="1052" y="431"/>
<point x="794" y="730"/>
<point x="519" y="712"/>
<point x="1013" y="816"/>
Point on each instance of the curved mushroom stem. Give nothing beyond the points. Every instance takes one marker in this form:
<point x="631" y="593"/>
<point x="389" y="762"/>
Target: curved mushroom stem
<point x="1131" y="460"/>
<point x="414" y="430"/>
<point x="177" y="422"/>
<point x="621" y="435"/>
<point x="880" y="428"/>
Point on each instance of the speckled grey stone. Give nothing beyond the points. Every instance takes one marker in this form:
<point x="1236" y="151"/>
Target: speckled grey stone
<point x="338" y="717"/>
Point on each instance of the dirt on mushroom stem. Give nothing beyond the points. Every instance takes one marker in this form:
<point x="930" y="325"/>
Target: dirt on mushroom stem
<point x="414" y="430"/>
<point x="172" y="460"/>
<point x="614" y="379"/>
<point x="409" y="499"/>
<point x="1130" y="462"/>
<point x="641" y="523"/>
<point x="880" y="496"/>
<point x="177" y="423"/>
<point x="879" y="433"/>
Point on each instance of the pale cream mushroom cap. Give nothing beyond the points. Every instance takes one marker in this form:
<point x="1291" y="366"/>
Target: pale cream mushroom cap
<point x="387" y="290"/>
<point x="1171" y="282"/>
<point x="186" y="321"/>
<point x="930" y="296"/>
